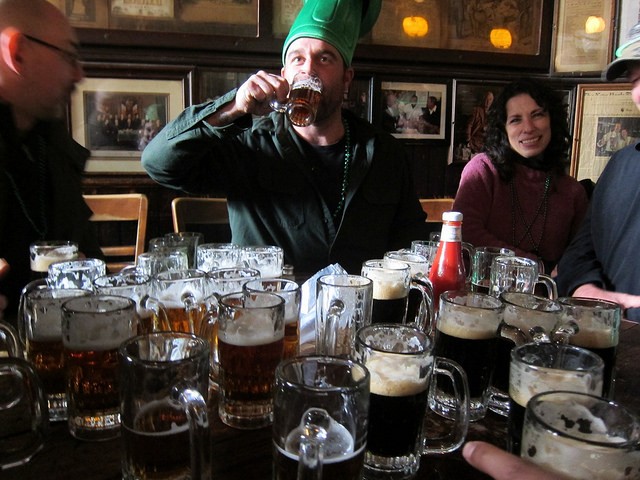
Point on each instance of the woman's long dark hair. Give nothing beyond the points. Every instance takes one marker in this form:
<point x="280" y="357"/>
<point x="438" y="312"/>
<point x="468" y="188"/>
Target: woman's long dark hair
<point x="556" y="155"/>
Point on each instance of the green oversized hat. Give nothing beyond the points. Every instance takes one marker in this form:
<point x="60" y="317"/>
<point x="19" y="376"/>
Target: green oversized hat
<point x="338" y="22"/>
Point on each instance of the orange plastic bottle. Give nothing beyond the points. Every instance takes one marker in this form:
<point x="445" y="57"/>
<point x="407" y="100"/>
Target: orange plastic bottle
<point x="447" y="271"/>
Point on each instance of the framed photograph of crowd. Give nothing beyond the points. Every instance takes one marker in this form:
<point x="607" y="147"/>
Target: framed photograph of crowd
<point x="415" y="110"/>
<point x="115" y="118"/>
<point x="606" y="121"/>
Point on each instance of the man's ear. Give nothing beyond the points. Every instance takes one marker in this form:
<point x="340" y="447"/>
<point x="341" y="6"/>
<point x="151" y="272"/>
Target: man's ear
<point x="10" y="39"/>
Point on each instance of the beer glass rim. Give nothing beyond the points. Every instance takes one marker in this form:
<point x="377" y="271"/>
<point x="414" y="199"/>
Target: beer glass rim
<point x="129" y="279"/>
<point x="426" y="343"/>
<point x="278" y="301"/>
<point x="563" y="395"/>
<point x="294" y="286"/>
<point x="345" y="280"/>
<point x="589" y="302"/>
<point x="121" y="303"/>
<point x="405" y="255"/>
<point x="77" y="264"/>
<point x="178" y="275"/>
<point x="502" y="251"/>
<point x="596" y="361"/>
<point x="218" y="273"/>
<point x="514" y="260"/>
<point x="510" y="298"/>
<point x="492" y="303"/>
<point x="202" y="348"/>
<point x="218" y="246"/>
<point x="53" y="243"/>
<point x="47" y="292"/>
<point x="358" y="381"/>
<point x="386" y="264"/>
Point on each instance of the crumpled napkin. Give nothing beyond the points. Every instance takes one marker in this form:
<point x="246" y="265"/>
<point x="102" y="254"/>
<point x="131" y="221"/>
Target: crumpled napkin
<point x="308" y="308"/>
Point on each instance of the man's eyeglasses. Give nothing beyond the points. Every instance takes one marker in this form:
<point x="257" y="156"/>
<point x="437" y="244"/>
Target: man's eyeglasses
<point x="71" y="57"/>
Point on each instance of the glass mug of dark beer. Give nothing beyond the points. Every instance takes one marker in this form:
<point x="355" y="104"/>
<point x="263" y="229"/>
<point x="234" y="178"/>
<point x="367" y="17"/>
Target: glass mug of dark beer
<point x="93" y="327"/>
<point x="343" y="306"/>
<point x="481" y="262"/>
<point x="545" y="367"/>
<point x="321" y="407"/>
<point x="582" y="436"/>
<point x="598" y="330"/>
<point x="45" y="252"/>
<point x="40" y="329"/>
<point x="165" y="428"/>
<point x="304" y="98"/>
<point x="466" y="332"/>
<point x="250" y="346"/>
<point x="401" y="363"/>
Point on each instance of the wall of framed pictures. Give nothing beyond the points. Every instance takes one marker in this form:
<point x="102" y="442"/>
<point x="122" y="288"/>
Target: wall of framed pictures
<point x="194" y="50"/>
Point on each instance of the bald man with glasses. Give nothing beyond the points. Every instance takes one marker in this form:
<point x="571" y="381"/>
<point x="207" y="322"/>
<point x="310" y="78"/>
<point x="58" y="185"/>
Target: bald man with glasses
<point x="40" y="164"/>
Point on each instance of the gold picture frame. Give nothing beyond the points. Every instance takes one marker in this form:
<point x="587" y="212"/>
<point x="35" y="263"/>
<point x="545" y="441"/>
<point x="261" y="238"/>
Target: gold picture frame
<point x="602" y="113"/>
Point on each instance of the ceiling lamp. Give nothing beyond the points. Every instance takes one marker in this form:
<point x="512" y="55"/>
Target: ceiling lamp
<point x="594" y="24"/>
<point x="500" y="38"/>
<point x="415" y="26"/>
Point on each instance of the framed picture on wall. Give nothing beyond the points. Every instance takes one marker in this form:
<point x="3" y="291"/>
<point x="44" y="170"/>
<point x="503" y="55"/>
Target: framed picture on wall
<point x="470" y="105"/>
<point x="606" y="121"/>
<point x="115" y="118"/>
<point x="414" y="110"/>
<point x="358" y="98"/>
<point x="628" y="17"/>
<point x="584" y="35"/>
<point x="215" y="83"/>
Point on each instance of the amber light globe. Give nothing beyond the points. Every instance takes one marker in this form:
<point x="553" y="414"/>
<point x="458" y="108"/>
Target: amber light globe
<point x="415" y="26"/>
<point x="500" y="38"/>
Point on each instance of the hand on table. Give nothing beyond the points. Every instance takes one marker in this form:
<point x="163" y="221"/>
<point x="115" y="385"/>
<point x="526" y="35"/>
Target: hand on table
<point x="625" y="300"/>
<point x="502" y="465"/>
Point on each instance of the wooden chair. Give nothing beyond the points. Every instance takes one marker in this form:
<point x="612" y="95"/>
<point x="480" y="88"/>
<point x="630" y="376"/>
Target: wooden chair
<point x="125" y="241"/>
<point x="192" y="213"/>
<point x="434" y="207"/>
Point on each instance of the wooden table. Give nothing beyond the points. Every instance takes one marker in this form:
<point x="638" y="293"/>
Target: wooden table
<point x="246" y="455"/>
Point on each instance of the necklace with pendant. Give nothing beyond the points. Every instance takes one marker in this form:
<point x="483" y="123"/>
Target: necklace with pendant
<point x="346" y="167"/>
<point x="516" y="212"/>
<point x="40" y="224"/>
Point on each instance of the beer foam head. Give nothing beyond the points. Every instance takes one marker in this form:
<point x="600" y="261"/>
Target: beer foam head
<point x="475" y="324"/>
<point x="250" y="328"/>
<point x="395" y="375"/>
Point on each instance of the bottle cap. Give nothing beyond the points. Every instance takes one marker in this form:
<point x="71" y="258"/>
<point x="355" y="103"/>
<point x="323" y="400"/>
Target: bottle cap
<point x="451" y="216"/>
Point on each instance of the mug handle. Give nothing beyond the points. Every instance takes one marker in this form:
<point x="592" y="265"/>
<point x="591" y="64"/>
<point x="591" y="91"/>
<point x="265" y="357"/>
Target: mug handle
<point x="467" y="256"/>
<point x="38" y="410"/>
<point x="208" y="332"/>
<point x="550" y="285"/>
<point x="314" y="428"/>
<point x="455" y="438"/>
<point x="195" y="407"/>
<point x="425" y="315"/>
<point x="9" y="337"/>
<point x="326" y="336"/>
<point x="160" y="318"/>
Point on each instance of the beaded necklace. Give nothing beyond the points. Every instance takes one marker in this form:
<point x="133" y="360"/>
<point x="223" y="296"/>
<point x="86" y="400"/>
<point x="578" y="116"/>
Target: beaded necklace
<point x="40" y="227"/>
<point x="516" y="211"/>
<point x="345" y="170"/>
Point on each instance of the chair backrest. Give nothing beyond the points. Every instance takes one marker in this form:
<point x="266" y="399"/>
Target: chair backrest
<point x="120" y="249"/>
<point x="434" y="207"/>
<point x="188" y="212"/>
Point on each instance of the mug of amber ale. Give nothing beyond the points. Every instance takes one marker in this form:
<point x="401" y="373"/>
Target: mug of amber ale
<point x="165" y="428"/>
<point x="321" y="406"/>
<point x="304" y="99"/>
<point x="250" y="346"/>
<point x="93" y="327"/>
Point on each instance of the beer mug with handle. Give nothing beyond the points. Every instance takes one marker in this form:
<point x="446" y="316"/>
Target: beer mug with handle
<point x="304" y="99"/>
<point x="321" y="408"/>
<point x="165" y="428"/>
<point x="401" y="363"/>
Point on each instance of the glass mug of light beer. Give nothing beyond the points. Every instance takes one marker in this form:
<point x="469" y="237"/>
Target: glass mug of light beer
<point x="304" y="98"/>
<point x="401" y="363"/>
<point x="93" y="327"/>
<point x="581" y="436"/>
<point x="321" y="407"/>
<point x="45" y="252"/>
<point x="250" y="346"/>
<point x="163" y="394"/>
<point x="40" y="329"/>
<point x="466" y="332"/>
<point x="545" y="367"/>
<point x="598" y="324"/>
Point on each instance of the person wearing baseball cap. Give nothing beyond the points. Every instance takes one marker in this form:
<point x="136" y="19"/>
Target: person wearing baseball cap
<point x="333" y="190"/>
<point x="602" y="261"/>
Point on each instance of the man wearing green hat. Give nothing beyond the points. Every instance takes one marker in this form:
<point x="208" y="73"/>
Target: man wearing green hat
<point x="601" y="261"/>
<point x="338" y="190"/>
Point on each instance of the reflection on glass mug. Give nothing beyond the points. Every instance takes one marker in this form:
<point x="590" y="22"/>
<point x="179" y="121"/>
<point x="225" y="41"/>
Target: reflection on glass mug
<point x="40" y="328"/>
<point x="304" y="98"/>
<point x="191" y="240"/>
<point x="93" y="327"/>
<point x="598" y="330"/>
<point x="583" y="436"/>
<point x="76" y="273"/>
<point x="519" y="274"/>
<point x="182" y="292"/>
<point x="545" y="367"/>
<point x="268" y="260"/>
<point x="212" y="256"/>
<point x="321" y="407"/>
<point x="45" y="252"/>
<point x="401" y="363"/>
<point x="466" y="332"/>
<point x="23" y="412"/>
<point x="250" y="346"/>
<point x="481" y="262"/>
<point x="343" y="305"/>
<point x="162" y="259"/>
<point x="163" y="394"/>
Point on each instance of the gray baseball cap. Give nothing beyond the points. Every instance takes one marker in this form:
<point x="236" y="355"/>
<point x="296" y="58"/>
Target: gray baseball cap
<point x="627" y="52"/>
